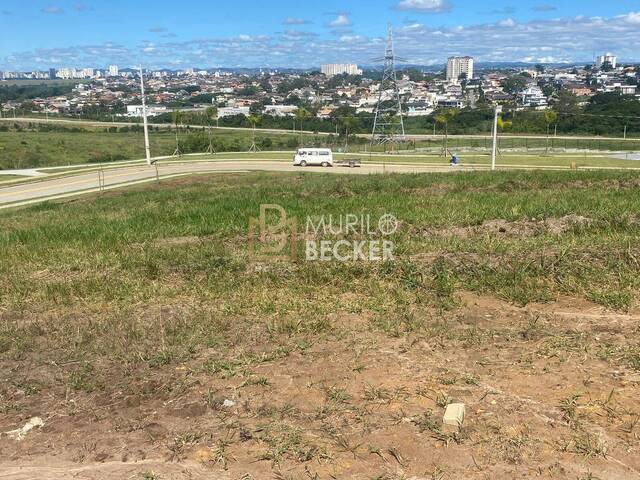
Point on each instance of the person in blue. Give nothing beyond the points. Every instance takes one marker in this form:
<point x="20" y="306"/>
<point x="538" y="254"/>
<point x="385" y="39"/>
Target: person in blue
<point x="454" y="160"/>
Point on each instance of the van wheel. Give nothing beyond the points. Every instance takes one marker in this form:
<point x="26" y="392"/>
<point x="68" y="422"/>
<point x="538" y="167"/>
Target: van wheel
<point x="303" y="163"/>
<point x="325" y="164"/>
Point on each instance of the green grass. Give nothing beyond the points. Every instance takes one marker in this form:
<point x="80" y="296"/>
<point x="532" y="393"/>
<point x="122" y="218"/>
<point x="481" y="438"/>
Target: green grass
<point x="28" y="149"/>
<point x="537" y="144"/>
<point x="101" y="251"/>
<point x="28" y="145"/>
<point x="10" y="178"/>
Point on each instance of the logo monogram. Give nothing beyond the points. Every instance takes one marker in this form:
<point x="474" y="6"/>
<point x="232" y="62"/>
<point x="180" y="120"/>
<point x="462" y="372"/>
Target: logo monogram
<point x="269" y="241"/>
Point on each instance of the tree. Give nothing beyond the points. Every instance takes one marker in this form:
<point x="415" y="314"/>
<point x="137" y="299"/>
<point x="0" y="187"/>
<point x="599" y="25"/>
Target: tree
<point x="514" y="84"/>
<point x="348" y="123"/>
<point x="254" y="120"/>
<point x="211" y="114"/>
<point x="301" y="114"/>
<point x="265" y="85"/>
<point x="566" y="102"/>
<point x="176" y="116"/>
<point x="444" y="118"/>
<point x="414" y="74"/>
<point x="606" y="67"/>
<point x="503" y="125"/>
<point x="540" y="68"/>
<point x="549" y="117"/>
<point x="256" y="108"/>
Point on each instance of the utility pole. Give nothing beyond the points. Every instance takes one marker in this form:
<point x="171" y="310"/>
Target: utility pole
<point x="494" y="149"/>
<point x="388" y="125"/>
<point x="625" y="132"/>
<point x="147" y="149"/>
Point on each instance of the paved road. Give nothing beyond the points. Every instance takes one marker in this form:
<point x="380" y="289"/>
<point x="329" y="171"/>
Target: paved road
<point x="70" y="185"/>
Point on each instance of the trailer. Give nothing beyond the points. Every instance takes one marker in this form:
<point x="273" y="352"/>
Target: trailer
<point x="349" y="162"/>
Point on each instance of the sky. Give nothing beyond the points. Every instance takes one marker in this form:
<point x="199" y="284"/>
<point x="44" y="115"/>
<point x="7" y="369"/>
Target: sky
<point x="40" y="34"/>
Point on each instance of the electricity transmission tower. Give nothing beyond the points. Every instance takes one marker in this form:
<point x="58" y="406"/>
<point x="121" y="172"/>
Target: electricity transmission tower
<point x="388" y="125"/>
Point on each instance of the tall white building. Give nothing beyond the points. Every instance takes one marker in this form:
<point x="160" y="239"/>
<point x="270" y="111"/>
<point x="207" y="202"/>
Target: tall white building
<point x="331" y="69"/>
<point x="607" y="58"/>
<point x="456" y="66"/>
<point x="113" y="70"/>
<point x="65" y="73"/>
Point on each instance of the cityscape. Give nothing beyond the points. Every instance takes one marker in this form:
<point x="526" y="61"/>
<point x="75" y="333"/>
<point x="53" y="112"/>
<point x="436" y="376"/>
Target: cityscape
<point x="391" y="240"/>
<point x="115" y="91"/>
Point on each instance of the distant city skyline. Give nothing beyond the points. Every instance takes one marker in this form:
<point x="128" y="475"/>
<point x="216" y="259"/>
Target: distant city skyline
<point x="39" y="35"/>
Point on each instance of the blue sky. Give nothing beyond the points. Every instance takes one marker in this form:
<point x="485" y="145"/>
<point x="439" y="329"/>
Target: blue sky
<point x="210" y="33"/>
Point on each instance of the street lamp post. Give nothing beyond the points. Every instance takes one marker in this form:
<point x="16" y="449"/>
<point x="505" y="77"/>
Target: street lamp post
<point x="147" y="148"/>
<point x="494" y="149"/>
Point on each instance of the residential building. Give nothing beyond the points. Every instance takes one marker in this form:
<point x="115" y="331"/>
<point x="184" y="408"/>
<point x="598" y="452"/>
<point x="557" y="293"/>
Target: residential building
<point x="113" y="70"/>
<point x="332" y="69"/>
<point x="231" y="111"/>
<point x="280" y="110"/>
<point x="152" y="110"/>
<point x="457" y="66"/>
<point x="580" y="90"/>
<point x="609" y="58"/>
<point x="533" y="97"/>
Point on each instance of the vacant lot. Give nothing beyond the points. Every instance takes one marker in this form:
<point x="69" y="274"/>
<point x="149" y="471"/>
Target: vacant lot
<point x="30" y="149"/>
<point x="137" y="327"/>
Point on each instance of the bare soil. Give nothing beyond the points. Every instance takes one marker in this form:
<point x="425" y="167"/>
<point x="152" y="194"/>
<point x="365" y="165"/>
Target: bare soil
<point x="521" y="228"/>
<point x="551" y="392"/>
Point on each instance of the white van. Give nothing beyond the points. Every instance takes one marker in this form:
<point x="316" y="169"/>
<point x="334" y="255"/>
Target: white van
<point x="313" y="156"/>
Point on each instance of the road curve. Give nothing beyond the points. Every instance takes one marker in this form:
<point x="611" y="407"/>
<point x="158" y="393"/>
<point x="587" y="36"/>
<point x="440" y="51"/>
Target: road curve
<point x="76" y="184"/>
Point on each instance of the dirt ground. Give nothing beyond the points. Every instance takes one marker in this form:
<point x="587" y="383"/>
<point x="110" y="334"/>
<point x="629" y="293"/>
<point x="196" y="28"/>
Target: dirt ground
<point x="551" y="392"/>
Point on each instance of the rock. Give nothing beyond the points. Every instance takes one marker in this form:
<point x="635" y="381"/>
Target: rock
<point x="228" y="403"/>
<point x="202" y="455"/>
<point x="20" y="433"/>
<point x="453" y="417"/>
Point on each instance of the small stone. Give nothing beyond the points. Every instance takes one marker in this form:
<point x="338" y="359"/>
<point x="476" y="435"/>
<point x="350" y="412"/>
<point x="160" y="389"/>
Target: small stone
<point x="20" y="433"/>
<point x="453" y="416"/>
<point x="228" y="403"/>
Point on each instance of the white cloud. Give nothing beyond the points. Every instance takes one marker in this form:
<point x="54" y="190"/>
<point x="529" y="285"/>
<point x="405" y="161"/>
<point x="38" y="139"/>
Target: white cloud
<point x="341" y="20"/>
<point x="295" y="21"/>
<point x="632" y="17"/>
<point x="507" y="22"/>
<point x="425" y="6"/>
<point x="572" y="39"/>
